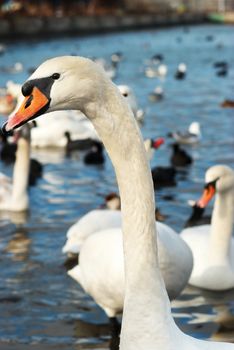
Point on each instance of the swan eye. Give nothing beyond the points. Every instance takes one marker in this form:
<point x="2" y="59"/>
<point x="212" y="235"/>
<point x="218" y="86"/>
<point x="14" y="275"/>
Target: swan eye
<point x="125" y="94"/>
<point x="55" y="76"/>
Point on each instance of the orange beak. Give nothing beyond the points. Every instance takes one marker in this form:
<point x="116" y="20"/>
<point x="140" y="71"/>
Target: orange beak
<point x="29" y="109"/>
<point x="207" y="195"/>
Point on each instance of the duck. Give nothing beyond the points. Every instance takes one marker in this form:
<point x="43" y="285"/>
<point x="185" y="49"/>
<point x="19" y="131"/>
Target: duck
<point x="179" y="156"/>
<point x="157" y="94"/>
<point x="163" y="176"/>
<point x="181" y="71"/>
<point x="74" y="145"/>
<point x="156" y="72"/>
<point x="8" y="155"/>
<point x="147" y="321"/>
<point x="157" y="58"/>
<point x="189" y="137"/>
<point x="7" y="150"/>
<point x="13" y="192"/>
<point x="213" y="245"/>
<point x="227" y="103"/>
<point x="95" y="156"/>
<point x="17" y="67"/>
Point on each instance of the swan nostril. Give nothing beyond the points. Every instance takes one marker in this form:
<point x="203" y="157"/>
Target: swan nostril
<point x="28" y="102"/>
<point x="27" y="88"/>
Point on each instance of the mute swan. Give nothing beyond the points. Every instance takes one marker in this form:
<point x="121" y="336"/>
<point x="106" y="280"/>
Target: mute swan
<point x="101" y="266"/>
<point x="213" y="245"/>
<point x="13" y="195"/>
<point x="78" y="83"/>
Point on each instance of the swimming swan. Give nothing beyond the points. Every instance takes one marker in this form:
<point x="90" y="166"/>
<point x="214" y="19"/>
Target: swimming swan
<point x="213" y="245"/>
<point x="13" y="193"/>
<point x="78" y="83"/>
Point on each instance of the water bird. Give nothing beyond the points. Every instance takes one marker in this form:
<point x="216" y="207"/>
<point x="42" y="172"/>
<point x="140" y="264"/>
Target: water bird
<point x="181" y="71"/>
<point x="95" y="156"/>
<point x="17" y="67"/>
<point x="163" y="176"/>
<point x="147" y="321"/>
<point x="227" y="104"/>
<point x="7" y="150"/>
<point x="157" y="58"/>
<point x="8" y="154"/>
<point x="157" y="94"/>
<point x="80" y="144"/>
<point x="220" y="64"/>
<point x="213" y="245"/>
<point x="156" y="72"/>
<point x="116" y="57"/>
<point x="13" y="193"/>
<point x="189" y="137"/>
<point x="179" y="156"/>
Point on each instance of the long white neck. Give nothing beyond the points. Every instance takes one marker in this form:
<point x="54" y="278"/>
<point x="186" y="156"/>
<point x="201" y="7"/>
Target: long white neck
<point x="146" y="306"/>
<point x="19" y="200"/>
<point x="222" y="225"/>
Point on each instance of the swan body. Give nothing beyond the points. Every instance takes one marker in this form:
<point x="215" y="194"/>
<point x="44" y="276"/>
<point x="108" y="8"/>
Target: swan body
<point x="213" y="245"/>
<point x="147" y="323"/>
<point x="94" y="221"/>
<point x="105" y="281"/>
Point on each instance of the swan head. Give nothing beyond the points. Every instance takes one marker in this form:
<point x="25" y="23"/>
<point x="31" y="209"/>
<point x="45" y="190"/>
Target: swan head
<point x="219" y="179"/>
<point x="60" y="83"/>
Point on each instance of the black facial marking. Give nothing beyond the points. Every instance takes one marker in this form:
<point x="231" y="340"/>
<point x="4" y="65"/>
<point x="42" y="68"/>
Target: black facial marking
<point x="211" y="184"/>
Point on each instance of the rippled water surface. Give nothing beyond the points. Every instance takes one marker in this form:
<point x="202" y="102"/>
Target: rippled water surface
<point x="40" y="306"/>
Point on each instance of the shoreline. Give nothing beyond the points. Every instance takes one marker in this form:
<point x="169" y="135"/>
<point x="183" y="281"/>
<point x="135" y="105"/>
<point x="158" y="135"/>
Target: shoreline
<point x="15" y="28"/>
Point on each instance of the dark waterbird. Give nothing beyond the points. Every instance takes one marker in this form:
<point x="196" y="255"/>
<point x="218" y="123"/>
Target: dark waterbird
<point x="179" y="156"/>
<point x="95" y="156"/>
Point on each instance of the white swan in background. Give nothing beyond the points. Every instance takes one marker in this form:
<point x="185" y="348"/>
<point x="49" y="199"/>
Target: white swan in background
<point x="213" y="245"/>
<point x="13" y="193"/>
<point x="147" y="321"/>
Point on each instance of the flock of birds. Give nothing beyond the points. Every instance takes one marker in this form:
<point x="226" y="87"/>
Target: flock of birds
<point x="156" y="262"/>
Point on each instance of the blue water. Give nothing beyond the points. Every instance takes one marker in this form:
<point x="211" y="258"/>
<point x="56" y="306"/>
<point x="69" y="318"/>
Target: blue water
<point x="40" y="306"/>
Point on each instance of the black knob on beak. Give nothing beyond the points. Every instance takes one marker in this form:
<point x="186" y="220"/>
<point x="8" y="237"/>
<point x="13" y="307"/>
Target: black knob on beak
<point x="27" y="88"/>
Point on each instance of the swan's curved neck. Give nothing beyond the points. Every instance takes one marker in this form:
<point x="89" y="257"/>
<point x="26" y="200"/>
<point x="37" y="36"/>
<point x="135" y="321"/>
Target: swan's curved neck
<point x="222" y="225"/>
<point x="19" y="200"/>
<point x="146" y="306"/>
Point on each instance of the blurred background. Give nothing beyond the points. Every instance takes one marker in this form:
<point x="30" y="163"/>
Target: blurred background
<point x="173" y="62"/>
